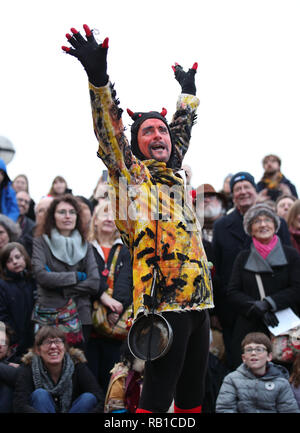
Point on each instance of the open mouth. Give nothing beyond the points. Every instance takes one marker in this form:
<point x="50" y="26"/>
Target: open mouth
<point x="158" y="146"/>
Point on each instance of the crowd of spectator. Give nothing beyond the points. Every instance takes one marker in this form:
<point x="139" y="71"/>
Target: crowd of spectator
<point x="62" y="256"/>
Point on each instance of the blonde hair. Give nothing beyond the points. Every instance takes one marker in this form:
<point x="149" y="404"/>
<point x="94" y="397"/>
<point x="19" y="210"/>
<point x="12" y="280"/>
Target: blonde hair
<point x="99" y="211"/>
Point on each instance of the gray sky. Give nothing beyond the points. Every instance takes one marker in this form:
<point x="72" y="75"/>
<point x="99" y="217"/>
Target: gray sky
<point x="247" y="81"/>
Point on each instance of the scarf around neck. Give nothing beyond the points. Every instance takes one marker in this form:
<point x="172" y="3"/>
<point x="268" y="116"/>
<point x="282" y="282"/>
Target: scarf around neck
<point x="63" y="389"/>
<point x="68" y="249"/>
<point x="265" y="249"/>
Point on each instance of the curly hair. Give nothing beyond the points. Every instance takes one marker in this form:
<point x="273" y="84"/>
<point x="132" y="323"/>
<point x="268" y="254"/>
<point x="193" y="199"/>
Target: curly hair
<point x="49" y="220"/>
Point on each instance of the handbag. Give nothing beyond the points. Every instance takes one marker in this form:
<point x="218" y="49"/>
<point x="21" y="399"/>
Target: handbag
<point x="66" y="318"/>
<point x="101" y="325"/>
<point x="284" y="346"/>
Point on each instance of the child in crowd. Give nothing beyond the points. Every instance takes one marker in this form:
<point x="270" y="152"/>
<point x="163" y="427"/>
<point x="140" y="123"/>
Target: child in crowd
<point x="125" y="384"/>
<point x="257" y="385"/>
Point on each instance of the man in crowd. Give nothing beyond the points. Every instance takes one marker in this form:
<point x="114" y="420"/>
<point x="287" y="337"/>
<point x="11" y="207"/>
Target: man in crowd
<point x="166" y="244"/>
<point x="213" y="205"/>
<point x="273" y="182"/>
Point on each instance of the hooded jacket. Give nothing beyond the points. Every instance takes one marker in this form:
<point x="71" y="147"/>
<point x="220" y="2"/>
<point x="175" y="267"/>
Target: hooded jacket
<point x="8" y="201"/>
<point x="243" y="392"/>
<point x="172" y="241"/>
<point x="83" y="381"/>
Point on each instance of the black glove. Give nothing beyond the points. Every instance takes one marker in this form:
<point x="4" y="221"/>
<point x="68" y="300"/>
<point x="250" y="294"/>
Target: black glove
<point x="270" y="319"/>
<point x="90" y="54"/>
<point x="186" y="79"/>
<point x="258" y="308"/>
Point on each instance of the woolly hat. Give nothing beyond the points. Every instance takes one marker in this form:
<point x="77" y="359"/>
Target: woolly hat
<point x="138" y="118"/>
<point x="241" y="175"/>
<point x="257" y="210"/>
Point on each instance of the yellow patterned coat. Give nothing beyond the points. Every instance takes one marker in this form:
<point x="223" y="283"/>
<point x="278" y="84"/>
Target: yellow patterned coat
<point x="152" y="213"/>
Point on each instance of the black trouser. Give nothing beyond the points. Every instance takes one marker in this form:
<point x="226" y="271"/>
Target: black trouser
<point x="180" y="374"/>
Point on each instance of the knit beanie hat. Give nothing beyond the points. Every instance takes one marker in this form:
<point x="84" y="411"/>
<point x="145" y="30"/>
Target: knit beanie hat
<point x="256" y="211"/>
<point x="241" y="175"/>
<point x="138" y="118"/>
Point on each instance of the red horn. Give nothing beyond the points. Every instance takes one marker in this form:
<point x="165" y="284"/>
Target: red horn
<point x="164" y="112"/>
<point x="131" y="113"/>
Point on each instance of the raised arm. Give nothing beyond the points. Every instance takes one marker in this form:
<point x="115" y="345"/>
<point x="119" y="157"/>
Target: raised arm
<point x="185" y="115"/>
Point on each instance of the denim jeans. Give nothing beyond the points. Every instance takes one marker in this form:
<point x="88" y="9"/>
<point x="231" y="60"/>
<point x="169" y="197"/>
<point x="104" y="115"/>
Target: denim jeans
<point x="42" y="401"/>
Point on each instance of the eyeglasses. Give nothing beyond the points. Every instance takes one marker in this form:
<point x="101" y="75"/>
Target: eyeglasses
<point x="265" y="220"/>
<point x="255" y="349"/>
<point x="49" y="342"/>
<point x="64" y="212"/>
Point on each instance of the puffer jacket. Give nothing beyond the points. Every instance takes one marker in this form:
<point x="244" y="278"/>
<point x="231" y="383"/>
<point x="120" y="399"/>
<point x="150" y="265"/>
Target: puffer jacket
<point x="55" y="288"/>
<point x="243" y="392"/>
<point x="150" y="187"/>
<point x="8" y="201"/>
<point x="83" y="381"/>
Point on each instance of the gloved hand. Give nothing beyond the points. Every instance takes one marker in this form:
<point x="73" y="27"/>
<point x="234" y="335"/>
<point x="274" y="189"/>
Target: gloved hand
<point x="258" y="308"/>
<point x="90" y="54"/>
<point x="81" y="276"/>
<point x="270" y="319"/>
<point x="186" y="79"/>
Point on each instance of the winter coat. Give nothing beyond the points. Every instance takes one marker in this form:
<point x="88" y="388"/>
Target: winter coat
<point x="280" y="274"/>
<point x="243" y="392"/>
<point x="83" y="381"/>
<point x="55" y="288"/>
<point x="296" y="391"/>
<point x="184" y="281"/>
<point x="122" y="290"/>
<point x="229" y="238"/>
<point x="8" y="201"/>
<point x="16" y="305"/>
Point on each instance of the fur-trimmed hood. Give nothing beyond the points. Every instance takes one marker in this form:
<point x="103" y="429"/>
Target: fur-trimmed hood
<point x="77" y="356"/>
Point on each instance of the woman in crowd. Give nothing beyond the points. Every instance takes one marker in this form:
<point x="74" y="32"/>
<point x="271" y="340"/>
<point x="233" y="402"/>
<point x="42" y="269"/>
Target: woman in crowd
<point x="17" y="292"/>
<point x="55" y="379"/>
<point x="293" y="222"/>
<point x="65" y="268"/>
<point x="283" y="204"/>
<point x="21" y="183"/>
<point x="115" y="290"/>
<point x="278" y="268"/>
<point x="9" y="231"/>
<point x="59" y="187"/>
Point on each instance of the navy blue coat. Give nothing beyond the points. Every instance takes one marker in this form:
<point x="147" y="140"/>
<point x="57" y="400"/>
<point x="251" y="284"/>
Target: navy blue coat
<point x="229" y="238"/>
<point x="16" y="305"/>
